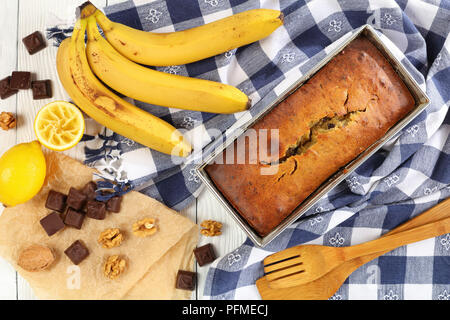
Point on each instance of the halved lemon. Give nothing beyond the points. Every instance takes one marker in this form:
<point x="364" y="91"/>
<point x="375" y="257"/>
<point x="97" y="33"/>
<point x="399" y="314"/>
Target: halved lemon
<point x="59" y="125"/>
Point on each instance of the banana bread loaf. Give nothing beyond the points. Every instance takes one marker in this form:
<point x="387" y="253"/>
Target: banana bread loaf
<point x="344" y="108"/>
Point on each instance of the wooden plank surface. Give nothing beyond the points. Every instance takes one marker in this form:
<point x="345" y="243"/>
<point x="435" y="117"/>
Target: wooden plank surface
<point x="38" y="15"/>
<point x="8" y="61"/>
<point x="18" y="18"/>
<point x="208" y="208"/>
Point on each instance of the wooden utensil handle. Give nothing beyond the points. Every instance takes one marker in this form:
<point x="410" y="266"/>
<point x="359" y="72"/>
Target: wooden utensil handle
<point x="396" y="240"/>
<point x="433" y="214"/>
<point x="438" y="212"/>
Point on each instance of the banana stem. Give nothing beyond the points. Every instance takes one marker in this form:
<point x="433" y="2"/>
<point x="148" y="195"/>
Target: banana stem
<point x="79" y="27"/>
<point x="77" y="41"/>
<point x="92" y="29"/>
<point x="103" y="21"/>
<point x="87" y="9"/>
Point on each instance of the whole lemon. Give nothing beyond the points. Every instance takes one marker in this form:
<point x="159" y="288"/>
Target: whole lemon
<point x="22" y="173"/>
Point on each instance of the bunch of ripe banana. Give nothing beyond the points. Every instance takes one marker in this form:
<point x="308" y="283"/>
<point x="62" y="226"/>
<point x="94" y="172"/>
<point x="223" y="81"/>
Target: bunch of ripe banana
<point x="117" y="60"/>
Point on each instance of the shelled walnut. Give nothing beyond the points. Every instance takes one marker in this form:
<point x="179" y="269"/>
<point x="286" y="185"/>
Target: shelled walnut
<point x="211" y="228"/>
<point x="7" y="121"/>
<point x="145" y="227"/>
<point x="110" y="238"/>
<point x="114" y="267"/>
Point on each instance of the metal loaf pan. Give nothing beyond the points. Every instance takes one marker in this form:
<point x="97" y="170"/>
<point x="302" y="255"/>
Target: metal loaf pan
<point x="421" y="102"/>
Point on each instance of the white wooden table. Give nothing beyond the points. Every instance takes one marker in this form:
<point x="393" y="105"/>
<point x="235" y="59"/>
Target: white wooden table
<point x="19" y="18"/>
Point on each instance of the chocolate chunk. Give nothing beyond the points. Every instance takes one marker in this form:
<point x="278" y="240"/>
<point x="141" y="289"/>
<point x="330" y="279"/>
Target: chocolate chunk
<point x="204" y="254"/>
<point x="96" y="210"/>
<point x="74" y="218"/>
<point x="113" y="204"/>
<point x="185" y="280"/>
<point x="106" y="193"/>
<point x="5" y="88"/>
<point x="20" y="80"/>
<point x="34" y="42"/>
<point x="89" y="190"/>
<point x="42" y="89"/>
<point x="52" y="223"/>
<point x="76" y="199"/>
<point x="56" y="201"/>
<point x="77" y="252"/>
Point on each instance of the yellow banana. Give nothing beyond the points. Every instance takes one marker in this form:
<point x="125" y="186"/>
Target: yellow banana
<point x="107" y="108"/>
<point x="181" y="47"/>
<point x="147" y="85"/>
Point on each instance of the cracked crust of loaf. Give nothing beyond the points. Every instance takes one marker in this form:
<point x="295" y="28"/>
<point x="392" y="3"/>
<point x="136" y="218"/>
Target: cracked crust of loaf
<point x="358" y="93"/>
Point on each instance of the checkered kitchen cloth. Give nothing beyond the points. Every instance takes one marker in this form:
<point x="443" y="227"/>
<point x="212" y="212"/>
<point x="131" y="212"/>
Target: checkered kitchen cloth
<point x="402" y="180"/>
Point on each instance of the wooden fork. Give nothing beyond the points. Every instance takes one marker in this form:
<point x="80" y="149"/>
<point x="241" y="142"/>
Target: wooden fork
<point x="324" y="287"/>
<point x="301" y="264"/>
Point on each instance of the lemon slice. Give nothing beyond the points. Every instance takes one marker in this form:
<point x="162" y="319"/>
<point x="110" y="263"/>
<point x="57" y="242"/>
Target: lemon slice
<point x="59" y="125"/>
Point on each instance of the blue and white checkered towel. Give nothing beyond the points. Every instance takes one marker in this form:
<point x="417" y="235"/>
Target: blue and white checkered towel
<point x="402" y="180"/>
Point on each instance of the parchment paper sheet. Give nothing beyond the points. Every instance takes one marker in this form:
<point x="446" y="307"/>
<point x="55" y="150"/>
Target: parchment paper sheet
<point x="152" y="262"/>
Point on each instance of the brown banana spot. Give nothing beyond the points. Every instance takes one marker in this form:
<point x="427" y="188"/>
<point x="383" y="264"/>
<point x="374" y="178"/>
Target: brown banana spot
<point x="249" y="103"/>
<point x="94" y="96"/>
<point x="73" y="80"/>
<point x="107" y="104"/>
<point x="101" y="101"/>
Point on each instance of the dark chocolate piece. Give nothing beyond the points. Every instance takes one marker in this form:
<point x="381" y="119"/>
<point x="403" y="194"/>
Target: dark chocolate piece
<point x="42" y="89"/>
<point x="76" y="199"/>
<point x="106" y="193"/>
<point x="185" y="280"/>
<point x="113" y="204"/>
<point x="89" y="190"/>
<point x="205" y="254"/>
<point x="34" y="42"/>
<point x="5" y="88"/>
<point x="20" y="80"/>
<point x="77" y="252"/>
<point x="74" y="218"/>
<point x="96" y="210"/>
<point x="56" y="201"/>
<point x="52" y="223"/>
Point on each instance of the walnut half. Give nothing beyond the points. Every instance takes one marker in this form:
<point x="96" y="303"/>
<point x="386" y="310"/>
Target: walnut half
<point x="145" y="227"/>
<point x="7" y="121"/>
<point x="110" y="238"/>
<point x="114" y="267"/>
<point x="211" y="228"/>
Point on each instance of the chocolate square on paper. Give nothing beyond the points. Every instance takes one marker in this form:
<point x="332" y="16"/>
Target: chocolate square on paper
<point x="52" y="223"/>
<point x="113" y="204"/>
<point x="204" y="254"/>
<point x="42" y="89"/>
<point x="56" y="201"/>
<point x="96" y="210"/>
<point x="89" y="190"/>
<point x="5" y="88"/>
<point x="20" y="80"/>
<point x="74" y="218"/>
<point x="76" y="199"/>
<point x="185" y="280"/>
<point x="77" y="252"/>
<point x="34" y="42"/>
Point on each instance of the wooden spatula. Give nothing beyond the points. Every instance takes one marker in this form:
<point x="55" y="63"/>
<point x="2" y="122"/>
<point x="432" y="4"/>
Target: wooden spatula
<point x="327" y="285"/>
<point x="301" y="264"/>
